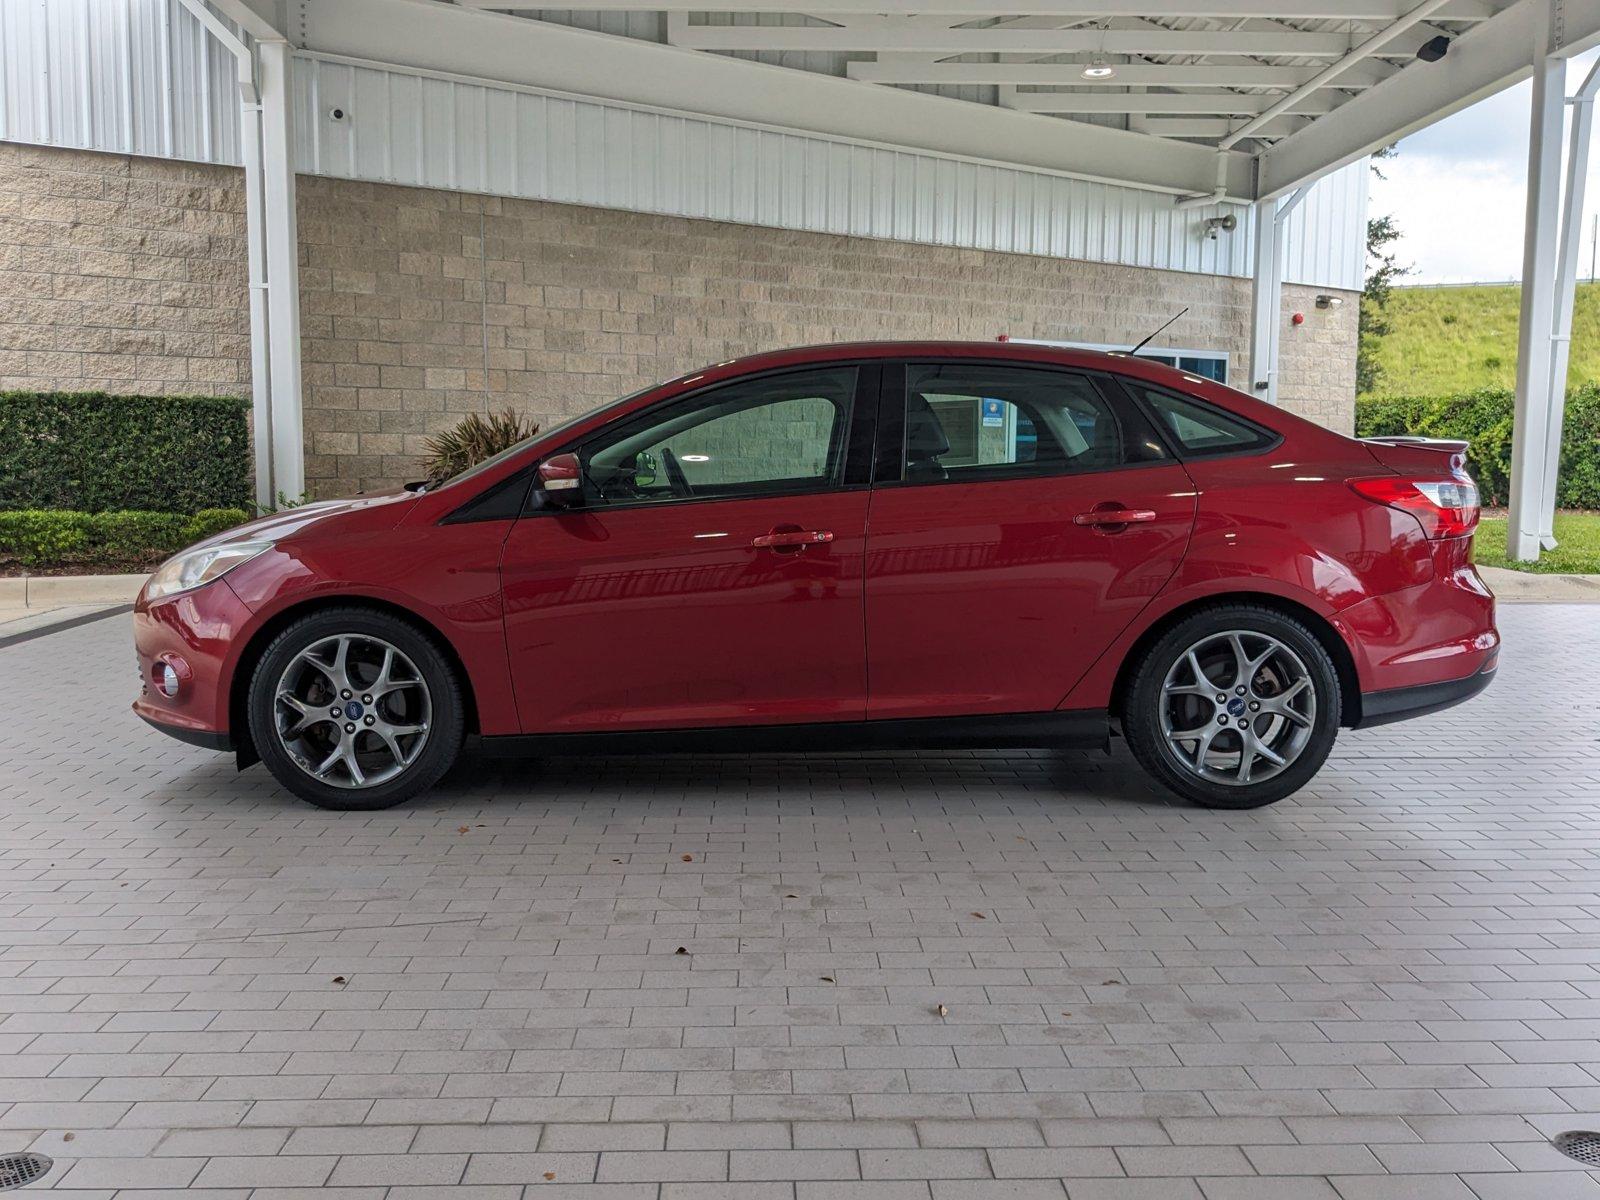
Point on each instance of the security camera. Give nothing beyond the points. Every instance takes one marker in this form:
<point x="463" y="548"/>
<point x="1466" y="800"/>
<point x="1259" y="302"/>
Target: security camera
<point x="336" y="114"/>
<point x="1213" y="224"/>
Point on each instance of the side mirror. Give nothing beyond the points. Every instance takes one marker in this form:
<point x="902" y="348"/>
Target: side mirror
<point x="561" y="480"/>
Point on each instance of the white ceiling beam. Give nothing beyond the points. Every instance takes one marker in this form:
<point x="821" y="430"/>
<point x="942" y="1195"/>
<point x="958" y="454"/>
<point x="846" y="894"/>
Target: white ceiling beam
<point x="1379" y="11"/>
<point x="250" y="16"/>
<point x="1067" y="74"/>
<point x="1214" y="128"/>
<point x="1329" y="75"/>
<point x="1160" y="103"/>
<point x="1013" y="41"/>
<point x="1484" y="60"/>
<point x="557" y="58"/>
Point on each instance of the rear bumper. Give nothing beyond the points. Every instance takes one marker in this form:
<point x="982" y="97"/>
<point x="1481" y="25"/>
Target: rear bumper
<point x="1401" y="704"/>
<point x="1440" y="633"/>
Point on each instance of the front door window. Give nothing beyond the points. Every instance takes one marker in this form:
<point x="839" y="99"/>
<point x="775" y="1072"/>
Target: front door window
<point x="775" y="435"/>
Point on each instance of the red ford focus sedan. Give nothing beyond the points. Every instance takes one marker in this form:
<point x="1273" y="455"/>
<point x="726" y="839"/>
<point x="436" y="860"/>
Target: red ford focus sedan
<point x="845" y="547"/>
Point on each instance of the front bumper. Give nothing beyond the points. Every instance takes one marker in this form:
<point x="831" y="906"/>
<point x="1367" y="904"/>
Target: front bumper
<point x="1401" y="704"/>
<point x="206" y="739"/>
<point x="199" y="634"/>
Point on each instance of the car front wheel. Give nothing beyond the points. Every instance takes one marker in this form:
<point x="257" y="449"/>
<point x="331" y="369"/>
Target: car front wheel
<point x="1233" y="707"/>
<point x="355" y="709"/>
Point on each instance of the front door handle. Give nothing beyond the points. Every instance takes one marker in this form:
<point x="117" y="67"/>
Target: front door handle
<point x="791" y="539"/>
<point x="1104" y="516"/>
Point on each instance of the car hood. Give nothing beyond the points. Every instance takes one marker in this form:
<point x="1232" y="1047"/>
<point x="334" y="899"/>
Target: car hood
<point x="289" y="522"/>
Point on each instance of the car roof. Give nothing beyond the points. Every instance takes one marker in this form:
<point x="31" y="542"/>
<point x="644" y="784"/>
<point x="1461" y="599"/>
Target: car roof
<point x="1117" y="362"/>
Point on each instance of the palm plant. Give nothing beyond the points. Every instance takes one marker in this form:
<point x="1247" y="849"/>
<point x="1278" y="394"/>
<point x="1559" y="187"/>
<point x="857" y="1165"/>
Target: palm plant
<point x="474" y="438"/>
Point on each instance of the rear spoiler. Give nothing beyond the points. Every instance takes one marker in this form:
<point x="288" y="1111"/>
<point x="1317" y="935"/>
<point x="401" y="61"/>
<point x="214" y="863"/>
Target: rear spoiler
<point x="1404" y="453"/>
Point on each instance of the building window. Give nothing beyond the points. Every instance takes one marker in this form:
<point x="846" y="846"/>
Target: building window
<point x="1207" y="364"/>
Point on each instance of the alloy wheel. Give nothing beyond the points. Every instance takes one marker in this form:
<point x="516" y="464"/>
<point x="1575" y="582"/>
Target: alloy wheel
<point x="1238" y="707"/>
<point x="352" y="711"/>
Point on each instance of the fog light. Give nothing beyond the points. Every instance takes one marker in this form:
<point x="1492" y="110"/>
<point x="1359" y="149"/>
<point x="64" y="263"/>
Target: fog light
<point x="167" y="679"/>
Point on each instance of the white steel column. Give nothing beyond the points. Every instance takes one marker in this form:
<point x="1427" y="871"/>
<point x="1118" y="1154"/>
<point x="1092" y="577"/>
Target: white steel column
<point x="1566" y="286"/>
<point x="283" y="269"/>
<point x="255" y="245"/>
<point x="1266" y="293"/>
<point x="1539" y="255"/>
<point x="255" y="240"/>
<point x="1266" y="304"/>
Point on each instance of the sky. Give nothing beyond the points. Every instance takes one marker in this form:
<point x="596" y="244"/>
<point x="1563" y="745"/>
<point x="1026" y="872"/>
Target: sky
<point x="1457" y="190"/>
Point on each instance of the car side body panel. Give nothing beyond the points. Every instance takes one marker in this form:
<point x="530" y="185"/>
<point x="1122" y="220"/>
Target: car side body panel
<point x="1266" y="526"/>
<point x="1281" y="523"/>
<point x="671" y="616"/>
<point x="987" y="597"/>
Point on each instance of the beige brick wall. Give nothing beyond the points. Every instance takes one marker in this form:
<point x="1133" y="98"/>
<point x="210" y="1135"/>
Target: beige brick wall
<point x="419" y="306"/>
<point x="121" y="274"/>
<point x="1317" y="360"/>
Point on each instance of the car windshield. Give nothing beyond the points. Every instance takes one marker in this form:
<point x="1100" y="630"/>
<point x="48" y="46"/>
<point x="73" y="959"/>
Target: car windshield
<point x="515" y="448"/>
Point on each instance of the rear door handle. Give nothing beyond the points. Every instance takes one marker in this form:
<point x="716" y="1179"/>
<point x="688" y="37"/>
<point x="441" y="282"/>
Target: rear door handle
<point x="797" y="539"/>
<point x="1114" y="516"/>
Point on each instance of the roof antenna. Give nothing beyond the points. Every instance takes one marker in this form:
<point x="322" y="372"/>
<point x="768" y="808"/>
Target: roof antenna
<point x="1152" y="337"/>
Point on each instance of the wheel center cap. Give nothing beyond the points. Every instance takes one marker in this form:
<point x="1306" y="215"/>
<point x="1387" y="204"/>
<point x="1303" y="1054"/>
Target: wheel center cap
<point x="353" y="709"/>
<point x="1236" y="706"/>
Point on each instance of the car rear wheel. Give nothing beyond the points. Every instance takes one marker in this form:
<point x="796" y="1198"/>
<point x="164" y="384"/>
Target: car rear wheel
<point x="1233" y="707"/>
<point x="355" y="709"/>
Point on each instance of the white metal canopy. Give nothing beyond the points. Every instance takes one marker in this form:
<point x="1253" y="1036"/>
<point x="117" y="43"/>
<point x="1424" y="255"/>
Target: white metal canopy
<point x="1211" y="101"/>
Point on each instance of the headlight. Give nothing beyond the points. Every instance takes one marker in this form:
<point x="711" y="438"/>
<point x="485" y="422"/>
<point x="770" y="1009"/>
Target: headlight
<point x="193" y="568"/>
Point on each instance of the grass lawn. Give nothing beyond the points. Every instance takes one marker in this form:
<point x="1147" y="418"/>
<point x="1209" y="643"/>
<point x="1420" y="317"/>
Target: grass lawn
<point x="1447" y="340"/>
<point x="1577" y="554"/>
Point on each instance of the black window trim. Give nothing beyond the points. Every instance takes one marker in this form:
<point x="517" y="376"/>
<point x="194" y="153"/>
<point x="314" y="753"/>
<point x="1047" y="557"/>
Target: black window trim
<point x="497" y="502"/>
<point x="889" y="460"/>
<point x="1273" y="439"/>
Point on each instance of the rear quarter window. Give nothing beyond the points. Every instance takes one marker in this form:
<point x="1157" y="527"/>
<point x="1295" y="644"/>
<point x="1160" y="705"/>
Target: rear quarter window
<point x="1198" y="429"/>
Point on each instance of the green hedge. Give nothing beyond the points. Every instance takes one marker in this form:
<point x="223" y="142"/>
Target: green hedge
<point x="53" y="538"/>
<point x="91" y="452"/>
<point x="1484" y="418"/>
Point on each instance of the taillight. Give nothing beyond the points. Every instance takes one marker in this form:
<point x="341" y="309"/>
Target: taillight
<point x="1446" y="508"/>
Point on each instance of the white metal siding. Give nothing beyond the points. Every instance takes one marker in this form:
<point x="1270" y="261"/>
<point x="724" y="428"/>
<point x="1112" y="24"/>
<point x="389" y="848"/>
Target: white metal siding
<point x="124" y="76"/>
<point x="140" y="77"/>
<point x="1325" y="244"/>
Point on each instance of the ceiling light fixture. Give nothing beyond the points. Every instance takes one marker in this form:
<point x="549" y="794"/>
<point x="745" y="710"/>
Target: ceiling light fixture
<point x="1099" y="69"/>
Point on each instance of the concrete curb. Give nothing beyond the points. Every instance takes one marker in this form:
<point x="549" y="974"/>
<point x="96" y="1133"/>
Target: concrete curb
<point x="59" y="591"/>
<point x="1523" y="587"/>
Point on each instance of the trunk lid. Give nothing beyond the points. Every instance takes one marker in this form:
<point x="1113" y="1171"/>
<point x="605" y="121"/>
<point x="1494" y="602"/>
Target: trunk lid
<point x="1405" y="454"/>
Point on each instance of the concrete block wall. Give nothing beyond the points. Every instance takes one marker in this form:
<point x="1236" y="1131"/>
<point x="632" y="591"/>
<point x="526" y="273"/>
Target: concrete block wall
<point x="1317" y="360"/>
<point x="419" y="306"/>
<point x="121" y="274"/>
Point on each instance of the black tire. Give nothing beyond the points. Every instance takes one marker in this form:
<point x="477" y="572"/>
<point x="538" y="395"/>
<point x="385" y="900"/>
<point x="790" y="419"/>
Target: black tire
<point x="1143" y="700"/>
<point x="446" y="724"/>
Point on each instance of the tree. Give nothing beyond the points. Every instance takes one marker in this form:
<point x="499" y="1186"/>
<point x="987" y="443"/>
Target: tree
<point x="1383" y="268"/>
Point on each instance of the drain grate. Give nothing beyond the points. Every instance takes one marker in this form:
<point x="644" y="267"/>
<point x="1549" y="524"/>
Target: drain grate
<point x="1581" y="1144"/>
<point x="19" y="1170"/>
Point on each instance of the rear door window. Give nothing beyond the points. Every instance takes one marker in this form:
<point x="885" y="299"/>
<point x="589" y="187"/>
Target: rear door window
<point x="965" y="421"/>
